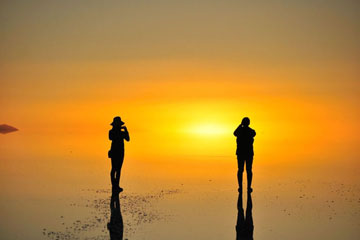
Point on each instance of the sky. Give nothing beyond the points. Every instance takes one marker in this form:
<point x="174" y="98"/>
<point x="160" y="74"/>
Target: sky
<point x="182" y="75"/>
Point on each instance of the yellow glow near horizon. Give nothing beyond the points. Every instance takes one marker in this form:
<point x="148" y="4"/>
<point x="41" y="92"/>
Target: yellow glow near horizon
<point x="164" y="121"/>
<point x="194" y="114"/>
<point x="208" y="129"/>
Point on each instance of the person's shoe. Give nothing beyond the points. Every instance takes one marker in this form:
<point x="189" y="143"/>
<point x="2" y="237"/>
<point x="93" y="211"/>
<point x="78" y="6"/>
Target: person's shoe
<point x="250" y="190"/>
<point x="120" y="189"/>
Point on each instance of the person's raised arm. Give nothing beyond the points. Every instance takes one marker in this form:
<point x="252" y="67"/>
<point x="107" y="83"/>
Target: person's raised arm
<point x="253" y="133"/>
<point x="126" y="134"/>
<point x="237" y="131"/>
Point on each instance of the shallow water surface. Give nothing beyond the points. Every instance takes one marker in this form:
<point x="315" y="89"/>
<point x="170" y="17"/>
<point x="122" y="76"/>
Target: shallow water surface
<point x="61" y="193"/>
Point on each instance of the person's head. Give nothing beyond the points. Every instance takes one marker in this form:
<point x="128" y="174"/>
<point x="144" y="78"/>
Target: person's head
<point x="245" y="122"/>
<point x="117" y="122"/>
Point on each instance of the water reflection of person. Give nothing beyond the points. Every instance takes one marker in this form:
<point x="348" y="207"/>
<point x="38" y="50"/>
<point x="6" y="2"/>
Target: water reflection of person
<point x="244" y="224"/>
<point x="244" y="151"/>
<point x="116" y="225"/>
<point x="117" y="135"/>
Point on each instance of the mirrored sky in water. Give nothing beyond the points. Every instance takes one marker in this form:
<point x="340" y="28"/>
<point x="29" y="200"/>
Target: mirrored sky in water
<point x="67" y="193"/>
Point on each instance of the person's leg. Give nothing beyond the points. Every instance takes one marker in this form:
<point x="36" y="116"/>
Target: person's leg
<point x="113" y="172"/>
<point x="249" y="174"/>
<point x="118" y="172"/>
<point x="117" y="175"/>
<point x="119" y="164"/>
<point x="241" y="162"/>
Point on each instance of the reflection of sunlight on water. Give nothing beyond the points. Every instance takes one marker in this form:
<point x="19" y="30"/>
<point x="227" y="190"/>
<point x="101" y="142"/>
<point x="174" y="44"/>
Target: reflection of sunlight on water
<point x="294" y="194"/>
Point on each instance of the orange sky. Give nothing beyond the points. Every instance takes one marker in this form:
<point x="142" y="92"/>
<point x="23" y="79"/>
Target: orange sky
<point x="182" y="74"/>
<point x="194" y="114"/>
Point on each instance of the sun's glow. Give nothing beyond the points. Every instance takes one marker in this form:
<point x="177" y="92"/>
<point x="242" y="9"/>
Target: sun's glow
<point x="208" y="129"/>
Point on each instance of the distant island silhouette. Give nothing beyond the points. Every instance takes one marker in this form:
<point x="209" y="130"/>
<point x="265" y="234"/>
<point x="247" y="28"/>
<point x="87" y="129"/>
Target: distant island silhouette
<point x="4" y="128"/>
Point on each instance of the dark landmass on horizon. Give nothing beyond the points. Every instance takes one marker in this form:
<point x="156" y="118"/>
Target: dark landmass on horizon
<point x="4" y="128"/>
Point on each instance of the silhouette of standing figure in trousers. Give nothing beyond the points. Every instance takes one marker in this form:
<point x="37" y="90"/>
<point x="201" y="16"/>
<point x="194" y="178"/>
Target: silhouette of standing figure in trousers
<point x="117" y="135"/>
<point x="245" y="152"/>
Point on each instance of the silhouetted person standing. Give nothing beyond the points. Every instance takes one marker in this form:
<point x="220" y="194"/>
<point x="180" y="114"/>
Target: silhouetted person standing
<point x="117" y="135"/>
<point x="245" y="152"/>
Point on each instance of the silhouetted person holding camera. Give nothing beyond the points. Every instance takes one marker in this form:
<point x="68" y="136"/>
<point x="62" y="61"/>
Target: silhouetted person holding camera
<point x="245" y="152"/>
<point x="117" y="135"/>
